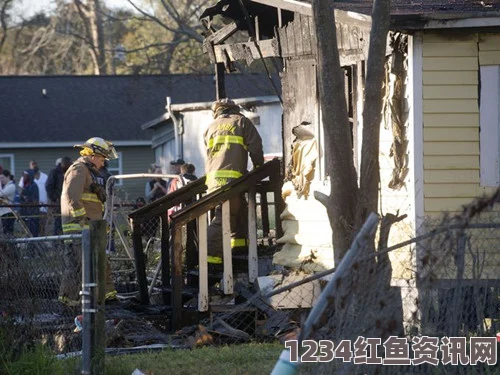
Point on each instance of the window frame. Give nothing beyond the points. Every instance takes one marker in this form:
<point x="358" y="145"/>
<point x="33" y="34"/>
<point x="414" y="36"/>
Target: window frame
<point x="12" y="166"/>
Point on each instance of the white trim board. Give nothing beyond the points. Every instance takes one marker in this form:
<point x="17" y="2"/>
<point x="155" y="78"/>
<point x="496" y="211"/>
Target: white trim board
<point x="4" y="145"/>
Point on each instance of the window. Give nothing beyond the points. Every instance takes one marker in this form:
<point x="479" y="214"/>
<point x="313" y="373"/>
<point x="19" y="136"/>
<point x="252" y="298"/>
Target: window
<point x="490" y="123"/>
<point x="115" y="167"/>
<point x="7" y="162"/>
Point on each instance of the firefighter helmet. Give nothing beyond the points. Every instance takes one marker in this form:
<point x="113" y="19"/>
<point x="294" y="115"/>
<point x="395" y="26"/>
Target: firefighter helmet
<point x="101" y="147"/>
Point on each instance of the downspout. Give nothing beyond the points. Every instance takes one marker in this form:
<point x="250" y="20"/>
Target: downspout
<point x="178" y="130"/>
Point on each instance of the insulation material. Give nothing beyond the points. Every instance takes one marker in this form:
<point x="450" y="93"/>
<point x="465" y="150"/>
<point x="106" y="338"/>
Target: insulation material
<point x="302" y="209"/>
<point x="307" y="235"/>
<point x="314" y="233"/>
<point x="307" y="258"/>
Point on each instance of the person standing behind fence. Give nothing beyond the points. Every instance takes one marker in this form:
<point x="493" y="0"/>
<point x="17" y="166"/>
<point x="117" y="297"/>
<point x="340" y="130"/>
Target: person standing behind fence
<point x="229" y="139"/>
<point x="7" y="194"/>
<point x="30" y="210"/>
<point x="40" y="179"/>
<point x="82" y="200"/>
<point x="54" y="186"/>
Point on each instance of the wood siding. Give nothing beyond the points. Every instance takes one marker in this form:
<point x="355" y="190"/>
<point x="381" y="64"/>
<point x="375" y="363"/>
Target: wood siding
<point x="450" y="71"/>
<point x="451" y="131"/>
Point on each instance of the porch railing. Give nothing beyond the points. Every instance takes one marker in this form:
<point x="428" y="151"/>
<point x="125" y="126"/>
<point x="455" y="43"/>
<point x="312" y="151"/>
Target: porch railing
<point x="172" y="262"/>
<point x="250" y="184"/>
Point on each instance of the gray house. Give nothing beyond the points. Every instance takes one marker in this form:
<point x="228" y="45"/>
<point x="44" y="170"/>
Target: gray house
<point x="178" y="133"/>
<point x="42" y="117"/>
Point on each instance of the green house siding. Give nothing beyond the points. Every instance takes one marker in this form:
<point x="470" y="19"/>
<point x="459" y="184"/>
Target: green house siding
<point x="135" y="159"/>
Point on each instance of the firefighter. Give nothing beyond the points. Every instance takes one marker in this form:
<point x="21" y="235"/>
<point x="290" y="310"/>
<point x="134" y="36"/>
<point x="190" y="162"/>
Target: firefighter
<point x="82" y="199"/>
<point x="229" y="139"/>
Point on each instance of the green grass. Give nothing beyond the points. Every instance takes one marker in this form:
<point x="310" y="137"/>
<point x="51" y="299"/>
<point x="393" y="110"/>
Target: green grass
<point x="236" y="359"/>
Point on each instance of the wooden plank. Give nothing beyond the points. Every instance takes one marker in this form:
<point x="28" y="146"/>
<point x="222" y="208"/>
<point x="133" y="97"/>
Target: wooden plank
<point x="445" y="204"/>
<point x="297" y="32"/>
<point x="451" y="120"/>
<point x="451" y="162"/>
<point x="449" y="37"/>
<point x="203" y="301"/>
<point x="451" y="176"/>
<point x="451" y="106"/>
<point x="451" y="92"/>
<point x="451" y="190"/>
<point x="307" y="30"/>
<point x="450" y="78"/>
<point x="226" y="248"/>
<point x="463" y="49"/>
<point x="270" y="169"/>
<point x="451" y="148"/>
<point x="165" y="257"/>
<point x="253" y="261"/>
<point x="246" y="50"/>
<point x="489" y="58"/>
<point x="489" y="42"/>
<point x="170" y="200"/>
<point x="283" y="42"/>
<point x="449" y="134"/>
<point x="177" y="279"/>
<point x="140" y="265"/>
<point x="264" y="213"/>
<point x="290" y="36"/>
<point x="449" y="63"/>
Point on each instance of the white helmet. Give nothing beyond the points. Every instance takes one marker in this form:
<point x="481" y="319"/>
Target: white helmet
<point x="101" y="147"/>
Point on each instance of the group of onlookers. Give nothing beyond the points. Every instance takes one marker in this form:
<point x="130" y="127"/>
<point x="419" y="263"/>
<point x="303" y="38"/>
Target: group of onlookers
<point x="35" y="194"/>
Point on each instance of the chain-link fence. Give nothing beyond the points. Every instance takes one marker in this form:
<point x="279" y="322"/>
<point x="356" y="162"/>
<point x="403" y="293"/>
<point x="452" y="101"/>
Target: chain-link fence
<point x="451" y="290"/>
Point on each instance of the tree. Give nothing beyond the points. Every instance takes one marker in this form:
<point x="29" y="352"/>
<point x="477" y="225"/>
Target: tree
<point x="349" y="205"/>
<point x="170" y="36"/>
<point x="91" y="16"/>
<point x="5" y="6"/>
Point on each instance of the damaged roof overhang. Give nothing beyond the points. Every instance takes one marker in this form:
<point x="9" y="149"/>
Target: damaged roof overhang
<point x="414" y="22"/>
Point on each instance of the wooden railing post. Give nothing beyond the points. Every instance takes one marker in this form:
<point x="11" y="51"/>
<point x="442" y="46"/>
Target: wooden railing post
<point x="165" y="257"/>
<point x="140" y="265"/>
<point x="227" y="257"/>
<point x="253" y="261"/>
<point x="202" y="263"/>
<point x="176" y="297"/>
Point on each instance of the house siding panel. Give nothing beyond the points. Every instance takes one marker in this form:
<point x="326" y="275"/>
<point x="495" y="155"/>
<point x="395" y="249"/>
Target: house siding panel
<point x="452" y="134"/>
<point x="451" y="92"/>
<point x="457" y="49"/>
<point x="451" y="119"/>
<point x="450" y="74"/>
<point x="443" y="63"/>
<point x="451" y="162"/>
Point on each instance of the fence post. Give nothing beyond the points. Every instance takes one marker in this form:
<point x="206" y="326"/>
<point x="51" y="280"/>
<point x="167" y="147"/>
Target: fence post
<point x="98" y="247"/>
<point x="88" y="302"/>
<point x="93" y="294"/>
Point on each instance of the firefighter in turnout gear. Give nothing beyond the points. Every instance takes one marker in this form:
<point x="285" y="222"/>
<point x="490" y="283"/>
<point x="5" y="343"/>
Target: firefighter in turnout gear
<point x="229" y="139"/>
<point x="82" y="199"/>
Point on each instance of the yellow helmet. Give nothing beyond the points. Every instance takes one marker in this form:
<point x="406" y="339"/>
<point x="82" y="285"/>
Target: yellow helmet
<point x="99" y="146"/>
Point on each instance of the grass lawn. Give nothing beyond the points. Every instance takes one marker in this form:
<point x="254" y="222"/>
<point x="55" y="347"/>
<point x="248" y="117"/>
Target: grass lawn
<point x="235" y="359"/>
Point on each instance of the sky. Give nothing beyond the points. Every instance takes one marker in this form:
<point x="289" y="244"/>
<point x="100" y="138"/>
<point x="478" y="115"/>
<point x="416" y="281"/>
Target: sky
<point x="26" y="8"/>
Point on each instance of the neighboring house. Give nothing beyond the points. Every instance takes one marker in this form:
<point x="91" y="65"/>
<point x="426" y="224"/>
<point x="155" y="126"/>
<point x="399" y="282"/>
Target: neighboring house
<point x="42" y="117"/>
<point x="191" y="121"/>
<point x="444" y="85"/>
